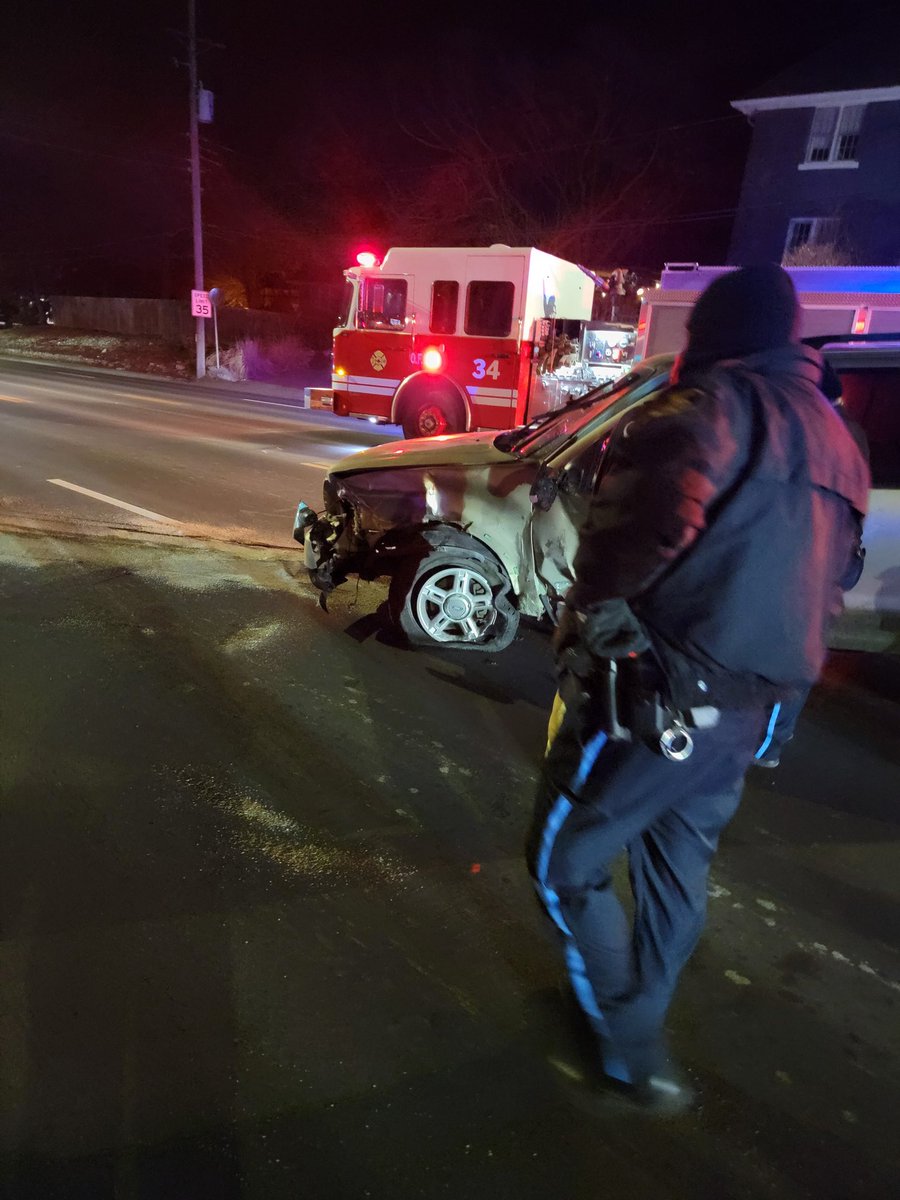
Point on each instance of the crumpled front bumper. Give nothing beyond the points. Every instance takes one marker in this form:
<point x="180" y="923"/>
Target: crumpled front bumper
<point x="304" y="520"/>
<point x="323" y="539"/>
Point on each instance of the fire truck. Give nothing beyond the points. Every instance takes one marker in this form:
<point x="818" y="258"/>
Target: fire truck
<point x="442" y="340"/>
<point x="833" y="300"/>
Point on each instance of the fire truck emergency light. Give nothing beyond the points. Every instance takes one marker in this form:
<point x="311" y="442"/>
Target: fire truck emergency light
<point x="432" y="359"/>
<point x="366" y="258"/>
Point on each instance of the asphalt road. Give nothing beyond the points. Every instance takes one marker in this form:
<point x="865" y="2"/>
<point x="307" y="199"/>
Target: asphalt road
<point x="198" y="458"/>
<point x="266" y="933"/>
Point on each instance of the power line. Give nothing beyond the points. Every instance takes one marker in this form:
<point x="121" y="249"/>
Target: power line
<point x="502" y="156"/>
<point x="83" y="253"/>
<point x="81" y="148"/>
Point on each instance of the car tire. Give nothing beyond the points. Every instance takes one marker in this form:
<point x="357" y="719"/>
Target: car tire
<point x="456" y="599"/>
<point x="431" y="409"/>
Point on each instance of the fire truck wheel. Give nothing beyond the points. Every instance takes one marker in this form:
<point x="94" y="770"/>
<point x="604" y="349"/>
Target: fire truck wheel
<point x="455" y="599"/>
<point x="428" y="414"/>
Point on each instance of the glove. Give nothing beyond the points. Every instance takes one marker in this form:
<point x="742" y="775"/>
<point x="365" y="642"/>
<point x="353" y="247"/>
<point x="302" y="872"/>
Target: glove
<point x="611" y="630"/>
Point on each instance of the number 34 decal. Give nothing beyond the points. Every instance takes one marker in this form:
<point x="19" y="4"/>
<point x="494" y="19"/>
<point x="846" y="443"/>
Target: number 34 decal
<point x="483" y="368"/>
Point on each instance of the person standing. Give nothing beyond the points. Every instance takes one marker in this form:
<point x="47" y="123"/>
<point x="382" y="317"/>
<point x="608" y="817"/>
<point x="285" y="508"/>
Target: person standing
<point x="707" y="573"/>
<point x="786" y="713"/>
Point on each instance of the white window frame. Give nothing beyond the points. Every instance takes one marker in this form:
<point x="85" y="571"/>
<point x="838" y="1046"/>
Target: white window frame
<point x="845" y="115"/>
<point x="820" y="229"/>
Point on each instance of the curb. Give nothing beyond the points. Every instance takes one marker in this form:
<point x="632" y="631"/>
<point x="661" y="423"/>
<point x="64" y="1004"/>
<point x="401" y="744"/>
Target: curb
<point x="249" y="387"/>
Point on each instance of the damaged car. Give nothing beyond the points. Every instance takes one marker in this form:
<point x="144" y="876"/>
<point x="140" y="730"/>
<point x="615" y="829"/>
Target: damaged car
<point x="476" y="530"/>
<point x="473" y="530"/>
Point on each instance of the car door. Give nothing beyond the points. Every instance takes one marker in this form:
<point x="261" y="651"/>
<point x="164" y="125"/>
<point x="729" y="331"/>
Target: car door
<point x="871" y="398"/>
<point x="574" y="471"/>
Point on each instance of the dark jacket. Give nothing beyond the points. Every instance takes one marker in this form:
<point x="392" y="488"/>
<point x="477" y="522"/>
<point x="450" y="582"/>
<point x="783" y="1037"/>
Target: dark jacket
<point x="726" y="515"/>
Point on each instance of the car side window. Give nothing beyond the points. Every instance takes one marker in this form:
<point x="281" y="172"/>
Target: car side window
<point x="871" y="398"/>
<point x="582" y="470"/>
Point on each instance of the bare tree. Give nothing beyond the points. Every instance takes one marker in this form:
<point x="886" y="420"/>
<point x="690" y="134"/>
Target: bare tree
<point x="824" y="254"/>
<point x="541" y="160"/>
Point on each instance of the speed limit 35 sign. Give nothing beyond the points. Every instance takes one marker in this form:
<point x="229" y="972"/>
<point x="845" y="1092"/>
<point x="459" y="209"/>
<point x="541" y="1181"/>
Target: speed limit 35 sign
<point x="201" y="305"/>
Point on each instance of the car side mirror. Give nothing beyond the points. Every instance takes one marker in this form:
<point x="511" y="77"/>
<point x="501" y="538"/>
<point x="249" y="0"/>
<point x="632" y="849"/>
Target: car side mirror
<point x="545" y="489"/>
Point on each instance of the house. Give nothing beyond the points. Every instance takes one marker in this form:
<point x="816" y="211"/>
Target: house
<point x="822" y="180"/>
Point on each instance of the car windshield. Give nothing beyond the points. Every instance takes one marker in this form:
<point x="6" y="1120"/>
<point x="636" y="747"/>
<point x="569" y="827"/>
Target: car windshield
<point x="549" y="431"/>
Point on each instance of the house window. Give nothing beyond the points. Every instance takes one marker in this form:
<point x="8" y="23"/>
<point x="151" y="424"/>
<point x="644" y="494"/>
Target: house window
<point x="846" y="140"/>
<point x="810" y="231"/>
<point x="834" y="135"/>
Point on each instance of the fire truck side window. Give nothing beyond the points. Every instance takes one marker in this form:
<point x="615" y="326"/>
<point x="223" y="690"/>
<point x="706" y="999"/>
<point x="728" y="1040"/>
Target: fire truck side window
<point x="444" y="303"/>
<point x="346" y="304"/>
<point x="383" y="304"/>
<point x="489" y="307"/>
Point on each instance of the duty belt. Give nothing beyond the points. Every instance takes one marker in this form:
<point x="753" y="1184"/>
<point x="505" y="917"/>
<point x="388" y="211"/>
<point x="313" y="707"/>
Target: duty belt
<point x="629" y="705"/>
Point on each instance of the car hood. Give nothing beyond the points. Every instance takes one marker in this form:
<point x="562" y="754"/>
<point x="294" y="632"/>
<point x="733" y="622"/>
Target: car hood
<point x="457" y="450"/>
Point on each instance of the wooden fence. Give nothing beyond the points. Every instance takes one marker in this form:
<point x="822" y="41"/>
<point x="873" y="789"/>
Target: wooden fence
<point x="171" y="320"/>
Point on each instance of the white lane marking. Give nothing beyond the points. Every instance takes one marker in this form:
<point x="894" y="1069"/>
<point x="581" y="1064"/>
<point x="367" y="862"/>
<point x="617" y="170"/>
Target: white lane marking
<point x="824" y="952"/>
<point x="320" y="466"/>
<point x="141" y="512"/>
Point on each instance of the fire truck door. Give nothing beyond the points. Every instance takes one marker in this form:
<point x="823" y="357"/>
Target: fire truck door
<point x="493" y="305"/>
<point x="381" y="357"/>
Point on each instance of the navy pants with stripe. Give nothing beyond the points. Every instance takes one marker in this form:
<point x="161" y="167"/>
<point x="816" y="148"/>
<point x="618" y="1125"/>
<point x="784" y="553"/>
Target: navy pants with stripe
<point x="597" y="798"/>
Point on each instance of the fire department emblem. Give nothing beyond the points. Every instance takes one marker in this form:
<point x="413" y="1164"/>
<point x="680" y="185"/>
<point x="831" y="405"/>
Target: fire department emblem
<point x="378" y="360"/>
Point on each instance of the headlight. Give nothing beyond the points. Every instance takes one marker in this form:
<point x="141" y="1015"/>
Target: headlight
<point x="332" y="496"/>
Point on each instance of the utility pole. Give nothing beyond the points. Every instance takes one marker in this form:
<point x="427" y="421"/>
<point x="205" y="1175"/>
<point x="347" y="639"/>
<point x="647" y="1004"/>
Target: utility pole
<point x="195" y="183"/>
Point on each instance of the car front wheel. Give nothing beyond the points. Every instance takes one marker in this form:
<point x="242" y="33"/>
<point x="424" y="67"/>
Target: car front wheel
<point x="456" y="599"/>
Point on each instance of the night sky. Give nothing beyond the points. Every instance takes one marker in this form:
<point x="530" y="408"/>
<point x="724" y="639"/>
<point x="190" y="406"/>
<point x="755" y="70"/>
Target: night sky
<point x="338" y="124"/>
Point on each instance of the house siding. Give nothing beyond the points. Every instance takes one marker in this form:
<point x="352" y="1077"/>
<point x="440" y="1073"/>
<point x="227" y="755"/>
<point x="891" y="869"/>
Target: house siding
<point x="866" y="198"/>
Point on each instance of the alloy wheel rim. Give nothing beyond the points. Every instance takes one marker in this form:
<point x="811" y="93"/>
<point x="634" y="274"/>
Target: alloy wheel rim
<point x="455" y="604"/>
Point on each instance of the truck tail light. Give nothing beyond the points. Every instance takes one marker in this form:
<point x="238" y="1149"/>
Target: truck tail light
<point x="862" y="321"/>
<point x="432" y="359"/>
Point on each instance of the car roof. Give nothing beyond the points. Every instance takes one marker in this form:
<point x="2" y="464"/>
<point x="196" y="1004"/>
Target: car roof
<point x="857" y="342"/>
<point x="869" y="357"/>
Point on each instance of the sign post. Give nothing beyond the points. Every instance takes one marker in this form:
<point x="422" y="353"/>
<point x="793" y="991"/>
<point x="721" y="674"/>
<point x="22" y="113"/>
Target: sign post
<point x="197" y="220"/>
<point x="215" y="295"/>
<point x="201" y="308"/>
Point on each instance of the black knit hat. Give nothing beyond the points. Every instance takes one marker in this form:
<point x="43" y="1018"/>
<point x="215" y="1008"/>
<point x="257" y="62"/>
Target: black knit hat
<point x="741" y="313"/>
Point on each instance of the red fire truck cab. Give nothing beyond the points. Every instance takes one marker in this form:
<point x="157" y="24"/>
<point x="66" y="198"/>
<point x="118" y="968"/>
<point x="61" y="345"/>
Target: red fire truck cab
<point x="449" y="339"/>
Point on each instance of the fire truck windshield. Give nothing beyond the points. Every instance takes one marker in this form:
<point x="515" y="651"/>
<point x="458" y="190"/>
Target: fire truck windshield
<point x="382" y="304"/>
